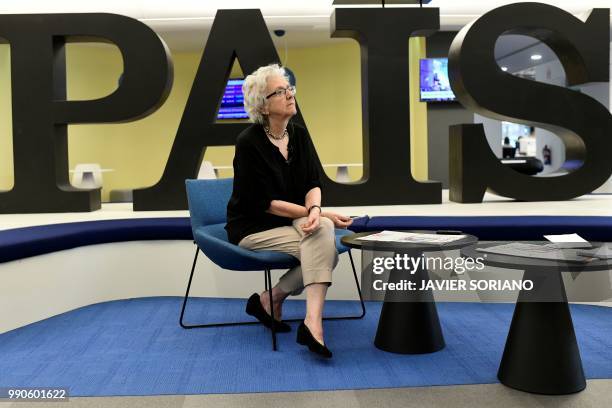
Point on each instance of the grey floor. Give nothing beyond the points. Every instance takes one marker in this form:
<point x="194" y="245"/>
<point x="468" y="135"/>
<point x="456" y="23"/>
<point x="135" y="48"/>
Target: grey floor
<point x="597" y="395"/>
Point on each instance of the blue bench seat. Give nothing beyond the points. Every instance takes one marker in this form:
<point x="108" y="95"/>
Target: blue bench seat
<point x="500" y="228"/>
<point x="37" y="240"/>
<point x="42" y="239"/>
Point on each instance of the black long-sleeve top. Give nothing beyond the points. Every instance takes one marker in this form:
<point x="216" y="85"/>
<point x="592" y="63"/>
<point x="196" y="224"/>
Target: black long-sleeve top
<point x="261" y="174"/>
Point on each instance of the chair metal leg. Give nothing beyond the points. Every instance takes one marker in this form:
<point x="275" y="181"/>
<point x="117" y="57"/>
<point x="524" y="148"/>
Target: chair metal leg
<point x="268" y="286"/>
<point x="273" y="328"/>
<point x="193" y="326"/>
<point x="195" y="260"/>
<point x="363" y="309"/>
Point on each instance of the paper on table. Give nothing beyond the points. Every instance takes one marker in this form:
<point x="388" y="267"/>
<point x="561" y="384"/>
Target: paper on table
<point x="411" y="237"/>
<point x="520" y="249"/>
<point x="568" y="241"/>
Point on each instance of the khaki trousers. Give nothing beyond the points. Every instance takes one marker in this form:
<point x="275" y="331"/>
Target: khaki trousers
<point x="317" y="252"/>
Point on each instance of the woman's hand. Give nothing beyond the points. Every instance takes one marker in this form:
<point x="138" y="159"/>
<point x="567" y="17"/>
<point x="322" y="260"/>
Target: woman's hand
<point x="339" y="220"/>
<point x="312" y="223"/>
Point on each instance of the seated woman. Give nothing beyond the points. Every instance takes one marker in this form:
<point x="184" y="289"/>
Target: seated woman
<point x="276" y="204"/>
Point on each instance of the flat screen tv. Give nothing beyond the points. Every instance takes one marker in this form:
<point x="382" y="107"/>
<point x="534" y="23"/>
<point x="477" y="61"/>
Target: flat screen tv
<point x="435" y="86"/>
<point x="232" y="104"/>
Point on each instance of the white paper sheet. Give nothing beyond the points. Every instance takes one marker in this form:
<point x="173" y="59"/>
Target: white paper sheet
<point x="568" y="241"/>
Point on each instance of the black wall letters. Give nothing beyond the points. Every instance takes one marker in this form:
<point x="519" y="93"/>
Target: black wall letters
<point x="583" y="123"/>
<point x="41" y="112"/>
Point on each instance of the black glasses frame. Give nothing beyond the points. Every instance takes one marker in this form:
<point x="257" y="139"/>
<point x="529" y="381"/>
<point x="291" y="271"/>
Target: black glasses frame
<point x="282" y="91"/>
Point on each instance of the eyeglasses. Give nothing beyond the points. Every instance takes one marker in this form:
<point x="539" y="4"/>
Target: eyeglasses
<point x="282" y="91"/>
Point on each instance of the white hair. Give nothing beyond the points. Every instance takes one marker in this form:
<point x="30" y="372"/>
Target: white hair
<point x="254" y="90"/>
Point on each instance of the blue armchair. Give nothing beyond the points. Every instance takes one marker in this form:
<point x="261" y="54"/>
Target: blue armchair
<point x="207" y="207"/>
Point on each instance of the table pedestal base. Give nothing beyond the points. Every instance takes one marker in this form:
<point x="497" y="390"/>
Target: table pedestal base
<point x="409" y="328"/>
<point x="409" y="322"/>
<point x="541" y="354"/>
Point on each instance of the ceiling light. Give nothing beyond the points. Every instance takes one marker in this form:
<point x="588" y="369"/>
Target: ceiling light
<point x="504" y="69"/>
<point x="536" y="57"/>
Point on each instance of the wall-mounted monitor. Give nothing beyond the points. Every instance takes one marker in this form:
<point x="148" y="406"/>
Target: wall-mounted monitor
<point x="232" y="104"/>
<point x="435" y="86"/>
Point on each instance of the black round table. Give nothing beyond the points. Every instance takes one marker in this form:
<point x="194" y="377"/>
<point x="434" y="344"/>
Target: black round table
<point x="408" y="325"/>
<point x="541" y="353"/>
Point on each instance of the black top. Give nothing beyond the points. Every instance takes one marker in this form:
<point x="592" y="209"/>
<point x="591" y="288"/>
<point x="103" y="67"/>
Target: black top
<point x="261" y="174"/>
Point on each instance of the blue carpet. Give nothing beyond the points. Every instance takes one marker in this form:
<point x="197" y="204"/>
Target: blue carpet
<point x="136" y="347"/>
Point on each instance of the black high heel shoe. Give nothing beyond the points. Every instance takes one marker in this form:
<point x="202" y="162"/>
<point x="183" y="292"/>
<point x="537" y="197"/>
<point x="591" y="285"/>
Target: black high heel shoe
<point x="305" y="338"/>
<point x="255" y="309"/>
